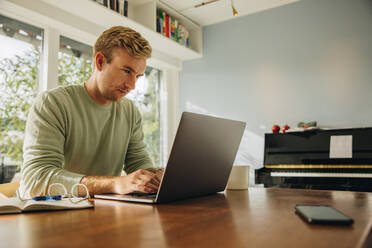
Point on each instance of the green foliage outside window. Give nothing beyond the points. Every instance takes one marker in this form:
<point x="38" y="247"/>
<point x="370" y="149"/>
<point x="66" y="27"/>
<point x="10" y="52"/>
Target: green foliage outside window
<point x="73" y="70"/>
<point x="149" y="105"/>
<point x="18" y="88"/>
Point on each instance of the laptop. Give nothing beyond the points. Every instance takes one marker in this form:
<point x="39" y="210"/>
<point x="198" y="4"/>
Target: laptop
<point x="200" y="162"/>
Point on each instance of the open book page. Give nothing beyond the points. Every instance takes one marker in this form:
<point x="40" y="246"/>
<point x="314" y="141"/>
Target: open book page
<point x="11" y="205"/>
<point x="65" y="203"/>
<point x="14" y="205"/>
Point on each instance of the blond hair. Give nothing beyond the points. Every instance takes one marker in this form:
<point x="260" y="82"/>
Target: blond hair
<point x="122" y="37"/>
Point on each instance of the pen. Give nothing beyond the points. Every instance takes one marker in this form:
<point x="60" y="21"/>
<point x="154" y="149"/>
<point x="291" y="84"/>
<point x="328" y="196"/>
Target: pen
<point x="47" y="198"/>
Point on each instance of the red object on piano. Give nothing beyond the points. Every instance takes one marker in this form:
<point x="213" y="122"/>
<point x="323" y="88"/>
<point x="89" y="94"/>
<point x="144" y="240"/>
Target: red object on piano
<point x="275" y="129"/>
<point x="285" y="128"/>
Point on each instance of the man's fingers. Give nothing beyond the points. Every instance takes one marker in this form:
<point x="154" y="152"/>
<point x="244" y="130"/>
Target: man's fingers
<point x="151" y="177"/>
<point x="155" y="181"/>
<point x="159" y="174"/>
<point x="148" y="188"/>
<point x="149" y="184"/>
<point x="152" y="186"/>
<point x="145" y="181"/>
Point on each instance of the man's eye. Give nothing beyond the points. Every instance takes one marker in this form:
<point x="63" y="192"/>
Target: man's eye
<point x="126" y="71"/>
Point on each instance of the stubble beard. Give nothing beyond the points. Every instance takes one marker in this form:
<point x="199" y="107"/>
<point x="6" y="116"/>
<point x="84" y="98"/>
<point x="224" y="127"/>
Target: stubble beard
<point x="110" y="96"/>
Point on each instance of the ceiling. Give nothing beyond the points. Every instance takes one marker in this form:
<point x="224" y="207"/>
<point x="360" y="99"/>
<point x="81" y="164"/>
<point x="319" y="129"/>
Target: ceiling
<point x="221" y="10"/>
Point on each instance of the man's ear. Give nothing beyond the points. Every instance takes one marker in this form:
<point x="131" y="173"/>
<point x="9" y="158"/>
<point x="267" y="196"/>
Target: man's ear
<point x="100" y="61"/>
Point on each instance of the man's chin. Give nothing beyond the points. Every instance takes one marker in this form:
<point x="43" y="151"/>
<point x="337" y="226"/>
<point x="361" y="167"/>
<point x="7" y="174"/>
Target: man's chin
<point x="115" y="98"/>
<point x="118" y="98"/>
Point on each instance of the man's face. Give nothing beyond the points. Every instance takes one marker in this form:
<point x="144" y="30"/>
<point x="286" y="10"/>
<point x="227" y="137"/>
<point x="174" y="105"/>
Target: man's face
<point x="118" y="78"/>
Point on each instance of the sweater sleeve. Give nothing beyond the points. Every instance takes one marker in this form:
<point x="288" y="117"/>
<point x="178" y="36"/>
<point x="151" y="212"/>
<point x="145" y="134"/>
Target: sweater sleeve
<point x="137" y="157"/>
<point x="43" y="149"/>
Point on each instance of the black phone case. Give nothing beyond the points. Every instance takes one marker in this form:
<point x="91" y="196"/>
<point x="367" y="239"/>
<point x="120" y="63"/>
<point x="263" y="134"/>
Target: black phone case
<point x="310" y="220"/>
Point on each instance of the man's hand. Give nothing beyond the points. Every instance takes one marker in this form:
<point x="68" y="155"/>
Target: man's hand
<point x="140" y="180"/>
<point x="158" y="172"/>
<point x="146" y="181"/>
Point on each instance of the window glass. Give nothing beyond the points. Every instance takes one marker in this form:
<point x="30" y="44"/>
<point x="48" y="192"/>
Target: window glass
<point x="146" y="97"/>
<point x="74" y="61"/>
<point x="20" y="51"/>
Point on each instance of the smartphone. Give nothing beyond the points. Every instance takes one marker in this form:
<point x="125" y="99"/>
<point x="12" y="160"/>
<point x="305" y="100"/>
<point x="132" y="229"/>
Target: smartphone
<point x="321" y="214"/>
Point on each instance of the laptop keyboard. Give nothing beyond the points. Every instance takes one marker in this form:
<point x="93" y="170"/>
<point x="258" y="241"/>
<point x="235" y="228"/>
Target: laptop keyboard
<point x="141" y="194"/>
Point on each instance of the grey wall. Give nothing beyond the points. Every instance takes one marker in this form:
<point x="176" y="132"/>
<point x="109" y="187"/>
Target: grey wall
<point x="309" y="60"/>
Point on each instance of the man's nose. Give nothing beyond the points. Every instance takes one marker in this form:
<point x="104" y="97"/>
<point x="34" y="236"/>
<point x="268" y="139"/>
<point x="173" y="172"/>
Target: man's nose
<point x="132" y="82"/>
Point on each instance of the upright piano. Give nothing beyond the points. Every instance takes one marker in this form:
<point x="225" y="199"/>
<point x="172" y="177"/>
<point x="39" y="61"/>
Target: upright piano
<point x="334" y="159"/>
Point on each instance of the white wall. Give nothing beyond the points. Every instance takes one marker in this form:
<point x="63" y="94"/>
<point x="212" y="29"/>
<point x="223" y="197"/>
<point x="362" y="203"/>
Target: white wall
<point x="310" y="60"/>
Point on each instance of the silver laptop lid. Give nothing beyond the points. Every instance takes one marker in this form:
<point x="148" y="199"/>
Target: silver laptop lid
<point x="202" y="156"/>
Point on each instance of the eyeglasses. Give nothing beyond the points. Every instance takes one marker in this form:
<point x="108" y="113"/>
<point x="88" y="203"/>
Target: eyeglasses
<point x="58" y="191"/>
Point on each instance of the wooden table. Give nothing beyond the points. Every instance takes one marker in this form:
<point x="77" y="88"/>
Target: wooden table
<point x="248" y="218"/>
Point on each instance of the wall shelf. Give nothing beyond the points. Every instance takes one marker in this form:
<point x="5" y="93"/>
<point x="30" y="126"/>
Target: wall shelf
<point x="141" y="17"/>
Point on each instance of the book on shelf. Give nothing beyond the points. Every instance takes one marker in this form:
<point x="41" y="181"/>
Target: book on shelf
<point x="125" y="7"/>
<point x="162" y="16"/>
<point x="105" y="3"/>
<point x="167" y="25"/>
<point x="159" y="23"/>
<point x="15" y="205"/>
<point x="176" y="30"/>
<point x="119" y="6"/>
<point x="183" y="35"/>
<point x="171" y="28"/>
<point x="111" y="4"/>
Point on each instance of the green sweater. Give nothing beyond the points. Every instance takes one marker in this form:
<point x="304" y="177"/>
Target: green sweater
<point x="69" y="136"/>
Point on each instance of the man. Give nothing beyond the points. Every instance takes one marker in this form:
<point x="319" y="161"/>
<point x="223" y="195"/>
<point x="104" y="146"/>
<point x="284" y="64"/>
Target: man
<point x="90" y="133"/>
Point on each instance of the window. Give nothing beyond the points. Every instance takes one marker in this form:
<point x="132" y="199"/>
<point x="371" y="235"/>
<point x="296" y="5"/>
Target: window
<point x="74" y="62"/>
<point x="146" y="97"/>
<point x="20" y="50"/>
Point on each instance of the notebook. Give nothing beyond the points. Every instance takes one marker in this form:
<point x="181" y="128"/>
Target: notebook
<point x="200" y="162"/>
<point x="15" y="205"/>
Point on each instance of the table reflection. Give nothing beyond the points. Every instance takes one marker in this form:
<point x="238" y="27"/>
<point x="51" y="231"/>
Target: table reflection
<point x="204" y="231"/>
